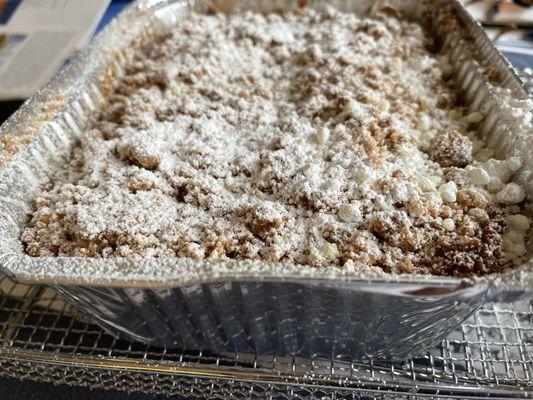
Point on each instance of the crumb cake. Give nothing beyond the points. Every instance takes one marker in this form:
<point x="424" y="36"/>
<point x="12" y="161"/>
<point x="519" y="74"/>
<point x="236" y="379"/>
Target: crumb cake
<point x="312" y="137"/>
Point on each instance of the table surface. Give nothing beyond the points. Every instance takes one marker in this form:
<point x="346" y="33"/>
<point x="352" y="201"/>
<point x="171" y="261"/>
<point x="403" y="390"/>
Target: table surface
<point x="13" y="389"/>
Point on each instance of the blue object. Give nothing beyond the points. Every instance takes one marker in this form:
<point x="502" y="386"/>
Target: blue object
<point x="520" y="60"/>
<point x="114" y="8"/>
<point x="7" y="9"/>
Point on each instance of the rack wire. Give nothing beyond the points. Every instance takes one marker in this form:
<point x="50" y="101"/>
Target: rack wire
<point x="43" y="338"/>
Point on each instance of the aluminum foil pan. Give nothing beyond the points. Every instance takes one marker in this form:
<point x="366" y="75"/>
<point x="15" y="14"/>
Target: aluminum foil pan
<point x="245" y="305"/>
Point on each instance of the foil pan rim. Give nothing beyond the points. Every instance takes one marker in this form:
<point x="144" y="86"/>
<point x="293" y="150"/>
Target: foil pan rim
<point x="173" y="272"/>
<point x="182" y="271"/>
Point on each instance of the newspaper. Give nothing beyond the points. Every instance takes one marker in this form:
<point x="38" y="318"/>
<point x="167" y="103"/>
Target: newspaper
<point x="38" y="36"/>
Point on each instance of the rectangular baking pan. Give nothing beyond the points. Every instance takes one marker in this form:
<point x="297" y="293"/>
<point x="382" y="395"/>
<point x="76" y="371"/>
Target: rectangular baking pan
<point x="247" y="305"/>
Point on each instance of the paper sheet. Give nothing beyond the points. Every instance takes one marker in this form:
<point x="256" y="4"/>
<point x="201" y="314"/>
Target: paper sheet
<point x="37" y="36"/>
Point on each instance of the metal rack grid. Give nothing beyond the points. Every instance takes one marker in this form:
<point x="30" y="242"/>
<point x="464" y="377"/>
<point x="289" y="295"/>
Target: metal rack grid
<point x="44" y="339"/>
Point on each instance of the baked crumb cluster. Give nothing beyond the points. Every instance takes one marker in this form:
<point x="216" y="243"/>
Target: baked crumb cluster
<point x="311" y="137"/>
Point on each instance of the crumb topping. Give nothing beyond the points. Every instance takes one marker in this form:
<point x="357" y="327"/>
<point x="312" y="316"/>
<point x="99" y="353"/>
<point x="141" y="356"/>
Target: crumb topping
<point x="311" y="137"/>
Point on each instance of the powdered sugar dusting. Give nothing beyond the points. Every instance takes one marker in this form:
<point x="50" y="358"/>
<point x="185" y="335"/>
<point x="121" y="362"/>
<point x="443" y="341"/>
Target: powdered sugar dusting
<point x="312" y="138"/>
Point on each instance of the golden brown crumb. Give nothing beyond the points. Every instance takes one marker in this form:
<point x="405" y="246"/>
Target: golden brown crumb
<point x="310" y="137"/>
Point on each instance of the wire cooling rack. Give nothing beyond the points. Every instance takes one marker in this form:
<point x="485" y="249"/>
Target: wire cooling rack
<point x="44" y="339"/>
